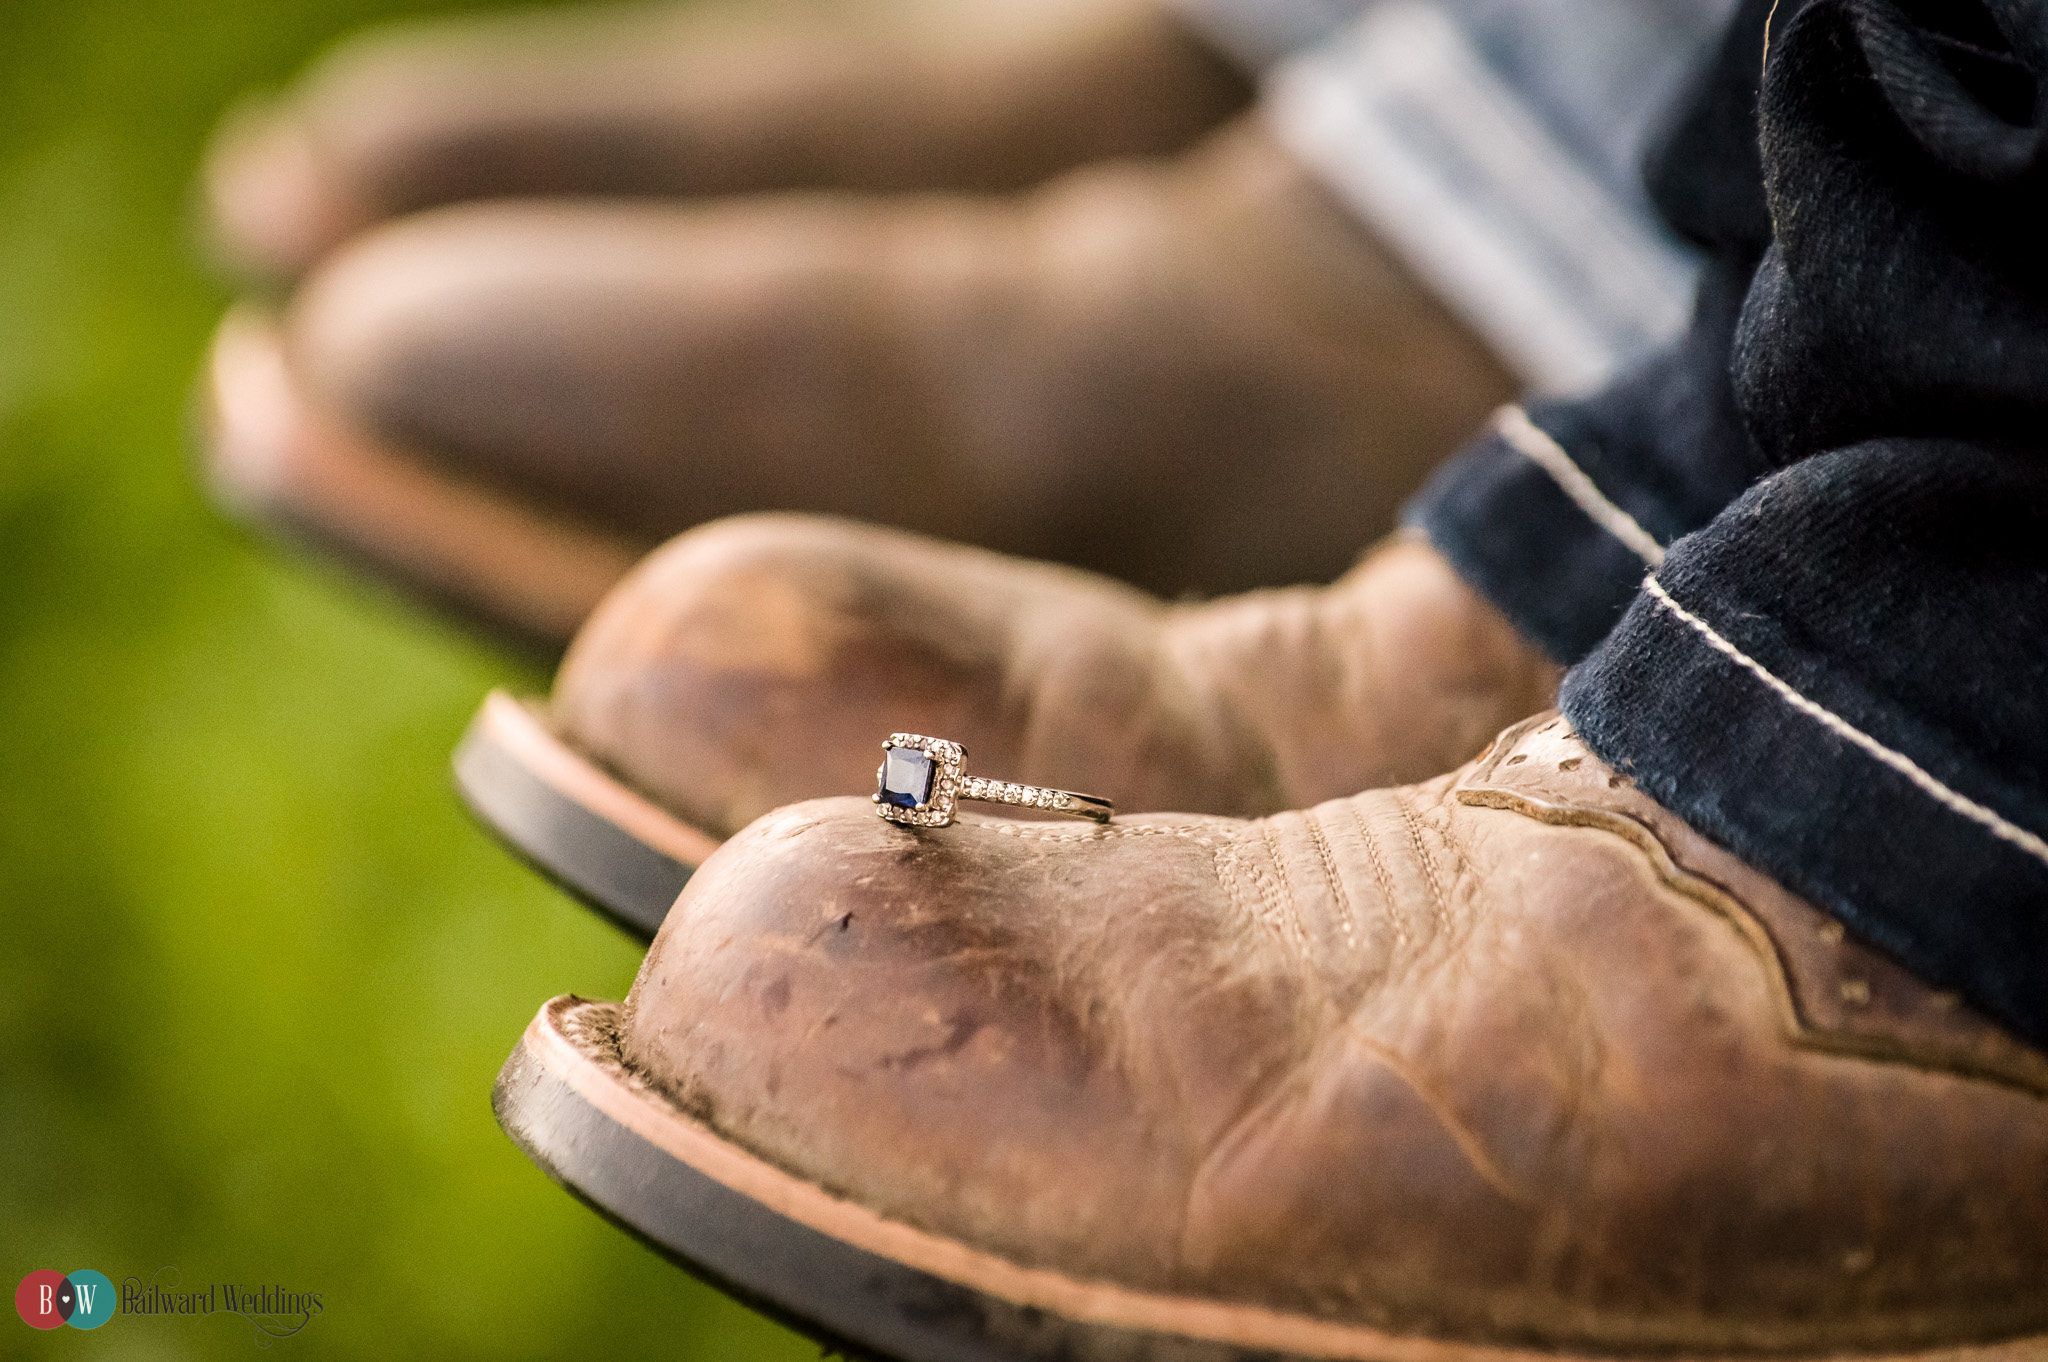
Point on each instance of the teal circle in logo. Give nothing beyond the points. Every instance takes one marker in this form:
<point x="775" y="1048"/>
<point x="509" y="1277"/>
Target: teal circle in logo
<point x="92" y="1299"/>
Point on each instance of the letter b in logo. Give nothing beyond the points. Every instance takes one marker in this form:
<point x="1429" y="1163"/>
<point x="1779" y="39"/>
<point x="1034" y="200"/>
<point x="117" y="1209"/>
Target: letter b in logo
<point x="45" y="1299"/>
<point x="36" y="1299"/>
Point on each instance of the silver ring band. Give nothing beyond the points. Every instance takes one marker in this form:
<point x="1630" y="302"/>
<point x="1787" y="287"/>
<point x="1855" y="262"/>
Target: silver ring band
<point x="921" y="779"/>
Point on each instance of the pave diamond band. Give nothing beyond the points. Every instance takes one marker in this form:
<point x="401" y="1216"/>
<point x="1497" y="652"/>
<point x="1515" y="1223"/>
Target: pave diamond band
<point x="1001" y="792"/>
<point x="921" y="779"/>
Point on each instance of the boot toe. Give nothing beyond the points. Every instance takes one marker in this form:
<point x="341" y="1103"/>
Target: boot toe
<point x="273" y="205"/>
<point x="866" y="1003"/>
<point x="1508" y="1058"/>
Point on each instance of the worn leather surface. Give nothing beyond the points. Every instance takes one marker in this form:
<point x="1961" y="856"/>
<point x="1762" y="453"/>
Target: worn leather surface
<point x="763" y="660"/>
<point x="707" y="98"/>
<point x="1503" y="1056"/>
<point x="1196" y="375"/>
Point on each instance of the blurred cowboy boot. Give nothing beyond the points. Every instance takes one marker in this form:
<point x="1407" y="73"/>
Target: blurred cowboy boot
<point x="761" y="661"/>
<point x="1506" y="1065"/>
<point x="705" y="99"/>
<point x="1197" y="376"/>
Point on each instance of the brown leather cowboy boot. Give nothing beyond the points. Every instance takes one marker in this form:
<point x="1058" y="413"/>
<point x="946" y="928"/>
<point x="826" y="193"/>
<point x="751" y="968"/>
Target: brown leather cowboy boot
<point x="1198" y="376"/>
<point x="703" y="99"/>
<point x="1504" y="1066"/>
<point x="760" y="661"/>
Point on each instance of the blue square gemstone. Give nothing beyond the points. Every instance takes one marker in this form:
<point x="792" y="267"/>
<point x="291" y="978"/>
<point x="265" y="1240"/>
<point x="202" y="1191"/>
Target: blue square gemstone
<point x="907" y="777"/>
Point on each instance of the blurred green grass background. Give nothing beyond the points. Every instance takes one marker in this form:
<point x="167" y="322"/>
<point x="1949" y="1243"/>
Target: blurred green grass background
<point x="257" y="970"/>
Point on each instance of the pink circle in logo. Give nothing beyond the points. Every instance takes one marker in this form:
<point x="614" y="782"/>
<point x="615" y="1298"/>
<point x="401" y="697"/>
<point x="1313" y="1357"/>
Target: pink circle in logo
<point x="35" y="1300"/>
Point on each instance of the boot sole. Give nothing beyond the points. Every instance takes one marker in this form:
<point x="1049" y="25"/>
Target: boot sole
<point x="573" y="821"/>
<point x="856" y="1281"/>
<point x="272" y="459"/>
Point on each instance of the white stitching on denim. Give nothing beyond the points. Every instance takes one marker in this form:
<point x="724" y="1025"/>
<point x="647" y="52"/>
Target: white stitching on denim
<point x="1842" y="728"/>
<point x="1535" y="444"/>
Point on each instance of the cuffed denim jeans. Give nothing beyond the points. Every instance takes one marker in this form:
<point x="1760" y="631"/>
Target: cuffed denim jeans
<point x="1800" y="559"/>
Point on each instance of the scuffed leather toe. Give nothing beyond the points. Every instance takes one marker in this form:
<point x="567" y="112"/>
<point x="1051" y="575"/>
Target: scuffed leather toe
<point x="1510" y="1057"/>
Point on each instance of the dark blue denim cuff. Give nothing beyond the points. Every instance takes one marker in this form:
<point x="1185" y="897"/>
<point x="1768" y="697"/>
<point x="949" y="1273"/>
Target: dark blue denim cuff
<point x="1555" y="515"/>
<point x="1516" y="535"/>
<point x="1841" y="681"/>
<point x="1837" y="485"/>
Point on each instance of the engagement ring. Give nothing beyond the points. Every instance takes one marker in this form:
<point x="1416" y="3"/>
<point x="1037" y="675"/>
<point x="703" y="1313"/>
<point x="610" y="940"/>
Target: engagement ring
<point x="921" y="779"/>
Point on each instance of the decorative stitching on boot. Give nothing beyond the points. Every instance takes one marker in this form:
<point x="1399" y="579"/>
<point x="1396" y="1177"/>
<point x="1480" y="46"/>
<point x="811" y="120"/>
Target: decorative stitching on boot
<point x="1226" y="875"/>
<point x="1274" y="910"/>
<point x="1430" y="872"/>
<point x="1233" y="868"/>
<point x="1987" y="818"/>
<point x="1535" y="444"/>
<point x="1379" y="873"/>
<point x="1337" y="890"/>
<point x="1291" y="907"/>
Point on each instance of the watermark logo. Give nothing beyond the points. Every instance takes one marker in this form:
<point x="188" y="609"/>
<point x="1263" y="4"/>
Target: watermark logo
<point x="83" y="1299"/>
<point x="86" y="1299"/>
